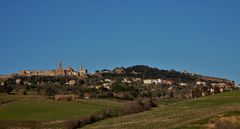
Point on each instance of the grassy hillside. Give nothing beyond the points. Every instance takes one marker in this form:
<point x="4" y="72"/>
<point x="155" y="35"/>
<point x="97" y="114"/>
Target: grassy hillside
<point x="32" y="109"/>
<point x="191" y="114"/>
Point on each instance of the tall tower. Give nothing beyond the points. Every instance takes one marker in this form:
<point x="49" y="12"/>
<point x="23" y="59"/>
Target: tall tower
<point x="60" y="70"/>
<point x="60" y="65"/>
<point x="82" y="71"/>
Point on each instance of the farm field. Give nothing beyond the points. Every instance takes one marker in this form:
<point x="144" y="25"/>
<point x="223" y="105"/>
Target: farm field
<point x="189" y="114"/>
<point x="24" y="111"/>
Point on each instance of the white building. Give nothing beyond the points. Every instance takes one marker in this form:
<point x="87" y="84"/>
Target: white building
<point x="71" y="82"/>
<point x="221" y="89"/>
<point x="147" y="81"/>
<point x="18" y="81"/>
<point x="136" y="79"/>
<point x="126" y="80"/>
<point x="183" y="84"/>
<point x="212" y="91"/>
<point x="82" y="71"/>
<point x="201" y="83"/>
<point x="108" y="80"/>
<point x="152" y="81"/>
<point x="107" y="85"/>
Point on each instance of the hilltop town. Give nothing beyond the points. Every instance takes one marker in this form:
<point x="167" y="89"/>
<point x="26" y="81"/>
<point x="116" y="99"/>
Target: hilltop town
<point x="58" y="72"/>
<point x="65" y="98"/>
<point x="120" y="83"/>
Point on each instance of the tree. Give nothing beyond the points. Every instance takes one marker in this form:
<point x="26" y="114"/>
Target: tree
<point x="6" y="89"/>
<point x="51" y="90"/>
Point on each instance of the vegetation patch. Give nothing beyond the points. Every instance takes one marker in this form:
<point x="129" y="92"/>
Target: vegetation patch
<point x="136" y="106"/>
<point x="232" y="122"/>
<point x="38" y="112"/>
<point x="188" y="114"/>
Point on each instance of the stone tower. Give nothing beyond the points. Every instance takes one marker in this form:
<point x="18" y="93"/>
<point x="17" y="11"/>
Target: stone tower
<point x="82" y="71"/>
<point x="60" y="70"/>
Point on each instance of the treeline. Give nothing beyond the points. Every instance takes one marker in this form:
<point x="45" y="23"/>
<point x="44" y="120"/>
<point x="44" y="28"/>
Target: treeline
<point x="37" y="80"/>
<point x="146" y="72"/>
<point x="136" y="106"/>
<point x="43" y="85"/>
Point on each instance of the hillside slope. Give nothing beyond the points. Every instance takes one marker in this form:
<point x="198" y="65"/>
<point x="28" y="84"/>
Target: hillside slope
<point x="190" y="114"/>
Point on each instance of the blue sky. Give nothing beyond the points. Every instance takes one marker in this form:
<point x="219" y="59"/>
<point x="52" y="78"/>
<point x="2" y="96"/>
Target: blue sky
<point x="201" y="36"/>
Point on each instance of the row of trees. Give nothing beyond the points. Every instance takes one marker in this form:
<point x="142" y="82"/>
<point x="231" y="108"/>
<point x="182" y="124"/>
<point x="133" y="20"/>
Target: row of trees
<point x="146" y="72"/>
<point x="35" y="80"/>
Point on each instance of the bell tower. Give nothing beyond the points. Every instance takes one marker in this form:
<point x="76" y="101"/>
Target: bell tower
<point x="82" y="71"/>
<point x="60" y="70"/>
<point x="60" y="65"/>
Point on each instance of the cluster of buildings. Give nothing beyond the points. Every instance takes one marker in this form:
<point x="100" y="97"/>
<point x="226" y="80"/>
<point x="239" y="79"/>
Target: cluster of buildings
<point x="157" y="81"/>
<point x="209" y="83"/>
<point x="58" y="72"/>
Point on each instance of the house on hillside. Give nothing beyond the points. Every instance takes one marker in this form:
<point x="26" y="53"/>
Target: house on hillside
<point x="212" y="91"/>
<point x="199" y="83"/>
<point x="147" y="81"/>
<point x="183" y="84"/>
<point x="136" y="79"/>
<point x="166" y="82"/>
<point x="108" y="80"/>
<point x="152" y="81"/>
<point x="19" y="81"/>
<point x="86" y="95"/>
<point x="71" y="82"/>
<point x="127" y="80"/>
<point x="2" y="83"/>
<point x="107" y="85"/>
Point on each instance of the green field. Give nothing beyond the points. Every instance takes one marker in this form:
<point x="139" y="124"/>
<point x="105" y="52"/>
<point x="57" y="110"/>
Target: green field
<point x="189" y="114"/>
<point x="32" y="109"/>
<point x="38" y="112"/>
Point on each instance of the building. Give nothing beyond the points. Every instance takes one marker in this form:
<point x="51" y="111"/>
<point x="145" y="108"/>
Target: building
<point x="18" y="81"/>
<point x="157" y="81"/>
<point x="147" y="81"/>
<point x="167" y="82"/>
<point x="201" y="83"/>
<point x="118" y="70"/>
<point x="82" y="71"/>
<point x="127" y="80"/>
<point x="58" y="72"/>
<point x="71" y="82"/>
<point x="183" y="84"/>
<point x="152" y="81"/>
<point x="104" y="71"/>
<point x="69" y="70"/>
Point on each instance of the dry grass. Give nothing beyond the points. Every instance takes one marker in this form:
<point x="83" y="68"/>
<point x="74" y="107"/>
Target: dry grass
<point x="231" y="122"/>
<point x="190" y="114"/>
<point x="136" y="106"/>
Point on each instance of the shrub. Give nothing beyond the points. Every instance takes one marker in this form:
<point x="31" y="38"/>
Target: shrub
<point x="139" y="105"/>
<point x="69" y="99"/>
<point x="226" y="123"/>
<point x="72" y="124"/>
<point x="136" y="106"/>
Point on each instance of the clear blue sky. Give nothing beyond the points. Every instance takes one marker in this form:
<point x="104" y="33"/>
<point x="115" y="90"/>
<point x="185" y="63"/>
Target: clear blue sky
<point x="201" y="36"/>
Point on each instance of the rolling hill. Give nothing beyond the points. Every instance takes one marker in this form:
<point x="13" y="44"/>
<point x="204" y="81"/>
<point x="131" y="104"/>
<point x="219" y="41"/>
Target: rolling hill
<point x="189" y="114"/>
